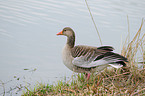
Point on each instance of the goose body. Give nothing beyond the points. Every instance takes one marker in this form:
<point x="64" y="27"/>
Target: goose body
<point x="88" y="59"/>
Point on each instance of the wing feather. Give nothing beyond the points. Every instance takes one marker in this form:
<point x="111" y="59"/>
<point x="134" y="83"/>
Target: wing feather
<point x="87" y="57"/>
<point x="107" y="48"/>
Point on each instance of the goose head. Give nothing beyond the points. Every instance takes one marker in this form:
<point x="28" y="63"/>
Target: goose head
<point x="67" y="31"/>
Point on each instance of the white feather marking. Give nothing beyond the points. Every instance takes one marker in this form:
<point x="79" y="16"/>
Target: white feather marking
<point x="84" y="51"/>
<point x="116" y="65"/>
<point x="77" y="51"/>
<point x="87" y="54"/>
<point x="80" y="51"/>
<point x="90" y="59"/>
<point x="81" y="62"/>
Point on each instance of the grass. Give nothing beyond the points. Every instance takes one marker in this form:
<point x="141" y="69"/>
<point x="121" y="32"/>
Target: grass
<point x="127" y="81"/>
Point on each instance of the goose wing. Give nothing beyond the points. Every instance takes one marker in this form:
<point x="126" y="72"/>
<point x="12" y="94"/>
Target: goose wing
<point x="87" y="57"/>
<point x="107" y="48"/>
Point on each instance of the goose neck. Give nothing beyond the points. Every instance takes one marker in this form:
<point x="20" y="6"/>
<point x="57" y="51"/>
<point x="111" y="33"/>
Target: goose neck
<point x="71" y="41"/>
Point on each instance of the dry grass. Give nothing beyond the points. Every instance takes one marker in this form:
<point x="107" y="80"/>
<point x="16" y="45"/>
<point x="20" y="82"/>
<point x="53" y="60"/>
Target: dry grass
<point x="128" y="81"/>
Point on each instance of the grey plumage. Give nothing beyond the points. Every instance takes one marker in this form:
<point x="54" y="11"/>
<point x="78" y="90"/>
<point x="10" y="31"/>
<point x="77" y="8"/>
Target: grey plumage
<point x="87" y="58"/>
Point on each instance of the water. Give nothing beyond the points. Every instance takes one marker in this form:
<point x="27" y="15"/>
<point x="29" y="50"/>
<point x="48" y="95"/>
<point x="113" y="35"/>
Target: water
<point x="28" y="35"/>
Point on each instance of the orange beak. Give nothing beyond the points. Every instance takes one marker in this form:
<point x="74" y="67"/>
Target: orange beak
<point x="60" y="33"/>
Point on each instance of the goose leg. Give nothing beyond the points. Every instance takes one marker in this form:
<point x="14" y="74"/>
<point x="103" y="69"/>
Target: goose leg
<point x="88" y="76"/>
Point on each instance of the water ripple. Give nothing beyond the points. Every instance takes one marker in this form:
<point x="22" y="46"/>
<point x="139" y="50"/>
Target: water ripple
<point x="27" y="11"/>
<point x="5" y="33"/>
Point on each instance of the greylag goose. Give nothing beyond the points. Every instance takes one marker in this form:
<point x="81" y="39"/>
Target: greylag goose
<point x="88" y="59"/>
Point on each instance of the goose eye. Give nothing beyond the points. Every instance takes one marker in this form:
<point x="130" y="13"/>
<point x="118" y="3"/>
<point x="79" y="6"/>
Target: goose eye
<point x="64" y="30"/>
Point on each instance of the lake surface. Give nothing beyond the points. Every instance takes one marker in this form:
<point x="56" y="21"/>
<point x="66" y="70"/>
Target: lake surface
<point x="30" y="51"/>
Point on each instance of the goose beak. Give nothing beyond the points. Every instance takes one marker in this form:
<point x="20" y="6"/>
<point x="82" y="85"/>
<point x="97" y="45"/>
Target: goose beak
<point x="60" y="33"/>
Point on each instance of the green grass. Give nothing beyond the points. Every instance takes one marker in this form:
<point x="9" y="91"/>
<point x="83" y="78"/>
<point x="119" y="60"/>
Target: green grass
<point x="126" y="81"/>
